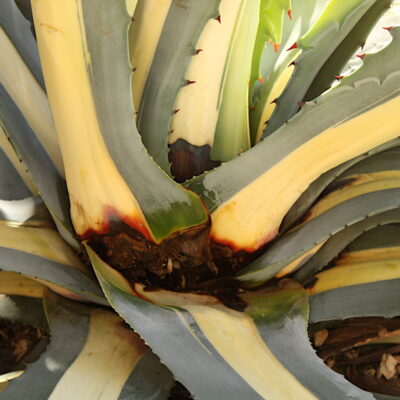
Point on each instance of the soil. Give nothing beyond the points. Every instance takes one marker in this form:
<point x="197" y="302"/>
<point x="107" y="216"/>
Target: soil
<point x="17" y="340"/>
<point x="350" y="348"/>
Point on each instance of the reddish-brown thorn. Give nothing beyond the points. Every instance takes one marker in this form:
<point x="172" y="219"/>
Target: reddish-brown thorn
<point x="171" y="131"/>
<point x="177" y="110"/>
<point x="198" y="51"/>
<point x="361" y="56"/>
<point x="388" y="28"/>
<point x="133" y="19"/>
<point x="289" y="12"/>
<point x="339" y="77"/>
<point x="133" y="69"/>
<point x="293" y="46"/>
<point x="292" y="63"/>
<point x="274" y="101"/>
<point x="190" y="82"/>
<point x="301" y="103"/>
<point x="266" y="122"/>
<point x="218" y="18"/>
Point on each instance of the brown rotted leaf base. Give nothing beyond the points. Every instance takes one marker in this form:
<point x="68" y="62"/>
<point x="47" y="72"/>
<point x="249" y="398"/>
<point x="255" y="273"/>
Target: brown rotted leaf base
<point x="187" y="261"/>
<point x="348" y="348"/>
<point x="188" y="160"/>
<point x="17" y="340"/>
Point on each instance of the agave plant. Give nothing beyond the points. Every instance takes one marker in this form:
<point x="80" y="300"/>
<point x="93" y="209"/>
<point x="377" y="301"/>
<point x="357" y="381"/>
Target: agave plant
<point x="187" y="185"/>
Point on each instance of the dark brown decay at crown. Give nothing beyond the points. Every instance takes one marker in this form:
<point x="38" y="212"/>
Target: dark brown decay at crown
<point x="186" y="261"/>
<point x="188" y="160"/>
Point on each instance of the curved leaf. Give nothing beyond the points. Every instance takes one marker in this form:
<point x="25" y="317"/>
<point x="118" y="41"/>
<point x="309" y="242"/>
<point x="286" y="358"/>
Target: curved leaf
<point x="202" y="330"/>
<point x="371" y="299"/>
<point x="336" y="27"/>
<point x="91" y="355"/>
<point x="50" y="184"/>
<point x="107" y="168"/>
<point x="281" y="319"/>
<point x="340" y="240"/>
<point x="12" y="283"/>
<point x="275" y="65"/>
<point x="373" y="256"/>
<point x="304" y="202"/>
<point x="295" y="243"/>
<point x="40" y="253"/>
<point x="249" y="196"/>
<point x="21" y="78"/>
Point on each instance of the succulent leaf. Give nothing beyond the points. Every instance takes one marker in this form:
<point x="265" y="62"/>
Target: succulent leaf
<point x="333" y="246"/>
<point x="91" y="354"/>
<point x="273" y="324"/>
<point x="270" y="169"/>
<point x="297" y="242"/>
<point x="21" y="78"/>
<point x="333" y="26"/>
<point x="276" y="67"/>
<point x="306" y="200"/>
<point x="95" y="149"/>
<point x="40" y="253"/>
<point x="204" y="330"/>
<point x="370" y="299"/>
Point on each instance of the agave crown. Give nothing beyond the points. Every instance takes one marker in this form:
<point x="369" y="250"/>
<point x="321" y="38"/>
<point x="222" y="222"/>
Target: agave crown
<point x="220" y="173"/>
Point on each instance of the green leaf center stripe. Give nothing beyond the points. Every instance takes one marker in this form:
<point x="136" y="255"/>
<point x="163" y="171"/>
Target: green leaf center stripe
<point x="297" y="242"/>
<point x="379" y="299"/>
<point x="12" y="187"/>
<point x="50" y="271"/>
<point x="166" y="205"/>
<point x="282" y="316"/>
